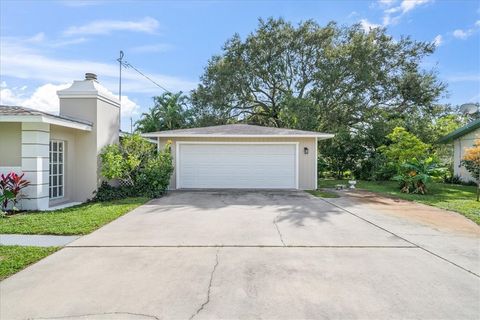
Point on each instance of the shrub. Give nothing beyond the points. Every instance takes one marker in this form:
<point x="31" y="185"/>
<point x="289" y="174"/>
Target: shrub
<point x="123" y="162"/>
<point x="375" y="168"/>
<point x="154" y="179"/>
<point x="140" y="169"/>
<point x="11" y="186"/>
<point x="107" y="192"/>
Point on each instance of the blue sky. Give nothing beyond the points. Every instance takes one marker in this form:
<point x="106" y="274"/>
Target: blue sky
<point x="47" y="44"/>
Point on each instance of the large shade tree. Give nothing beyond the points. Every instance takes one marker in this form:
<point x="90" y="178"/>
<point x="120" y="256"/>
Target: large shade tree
<point x="314" y="77"/>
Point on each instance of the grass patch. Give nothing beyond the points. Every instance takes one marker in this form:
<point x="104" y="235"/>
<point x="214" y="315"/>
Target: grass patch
<point x="456" y="198"/>
<point x="323" y="193"/>
<point x="16" y="258"/>
<point x="78" y="220"/>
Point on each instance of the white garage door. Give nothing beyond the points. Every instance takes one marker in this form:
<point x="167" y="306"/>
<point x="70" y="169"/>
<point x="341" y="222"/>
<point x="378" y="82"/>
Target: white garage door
<point x="267" y="166"/>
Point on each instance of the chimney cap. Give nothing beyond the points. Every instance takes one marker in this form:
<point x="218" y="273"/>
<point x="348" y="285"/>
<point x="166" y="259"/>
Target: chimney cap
<point x="90" y="76"/>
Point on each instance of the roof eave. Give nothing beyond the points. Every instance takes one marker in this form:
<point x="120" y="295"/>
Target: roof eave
<point x="320" y="136"/>
<point x="460" y="132"/>
<point x="46" y="119"/>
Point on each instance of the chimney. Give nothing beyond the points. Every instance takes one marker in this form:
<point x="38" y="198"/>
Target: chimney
<point x="90" y="76"/>
<point x="88" y="100"/>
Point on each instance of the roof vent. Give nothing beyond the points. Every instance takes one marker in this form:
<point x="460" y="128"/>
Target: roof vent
<point x="90" y="76"/>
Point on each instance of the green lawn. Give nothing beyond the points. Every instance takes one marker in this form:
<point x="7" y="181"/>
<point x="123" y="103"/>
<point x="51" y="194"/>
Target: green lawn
<point x="456" y="198"/>
<point x="15" y="258"/>
<point x="78" y="220"/>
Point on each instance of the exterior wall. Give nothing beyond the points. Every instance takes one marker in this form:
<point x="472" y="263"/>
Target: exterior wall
<point x="10" y="144"/>
<point x="459" y="146"/>
<point x="88" y="145"/>
<point x="35" y="161"/>
<point x="307" y="163"/>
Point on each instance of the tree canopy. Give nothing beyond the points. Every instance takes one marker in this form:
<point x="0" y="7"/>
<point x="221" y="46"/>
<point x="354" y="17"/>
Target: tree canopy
<point x="317" y="78"/>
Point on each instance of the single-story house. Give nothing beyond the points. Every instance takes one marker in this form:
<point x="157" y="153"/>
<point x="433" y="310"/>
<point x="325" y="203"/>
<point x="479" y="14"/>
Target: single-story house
<point x="242" y="156"/>
<point x="462" y="139"/>
<point x="59" y="153"/>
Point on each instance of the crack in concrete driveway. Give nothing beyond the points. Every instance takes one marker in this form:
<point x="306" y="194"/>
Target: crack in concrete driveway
<point x="209" y="287"/>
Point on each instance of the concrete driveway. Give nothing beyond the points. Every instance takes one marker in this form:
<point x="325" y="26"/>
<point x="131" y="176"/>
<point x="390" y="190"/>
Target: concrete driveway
<point x="258" y="255"/>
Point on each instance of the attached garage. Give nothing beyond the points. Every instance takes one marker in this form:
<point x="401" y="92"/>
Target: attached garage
<point x="242" y="157"/>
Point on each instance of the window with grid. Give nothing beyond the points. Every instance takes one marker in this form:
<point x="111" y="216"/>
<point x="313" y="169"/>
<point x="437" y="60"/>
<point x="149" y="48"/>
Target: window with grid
<point x="57" y="150"/>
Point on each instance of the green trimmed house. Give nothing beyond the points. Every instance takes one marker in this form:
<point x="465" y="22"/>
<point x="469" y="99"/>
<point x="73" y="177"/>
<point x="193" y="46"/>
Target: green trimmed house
<point x="462" y="139"/>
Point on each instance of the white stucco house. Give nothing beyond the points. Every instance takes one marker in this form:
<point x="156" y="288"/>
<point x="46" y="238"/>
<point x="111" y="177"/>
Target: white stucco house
<point x="59" y="153"/>
<point x="462" y="139"/>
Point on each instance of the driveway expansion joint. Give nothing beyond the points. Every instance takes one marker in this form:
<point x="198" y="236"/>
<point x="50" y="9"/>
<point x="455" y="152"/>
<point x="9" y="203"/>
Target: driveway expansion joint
<point x="209" y="287"/>
<point x="98" y="314"/>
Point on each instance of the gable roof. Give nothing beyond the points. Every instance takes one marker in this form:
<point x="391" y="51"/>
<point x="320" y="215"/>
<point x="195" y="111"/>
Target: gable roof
<point x="461" y="131"/>
<point x="238" y="130"/>
<point x="23" y="114"/>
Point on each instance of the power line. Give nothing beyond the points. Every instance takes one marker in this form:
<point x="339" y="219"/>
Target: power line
<point x="126" y="65"/>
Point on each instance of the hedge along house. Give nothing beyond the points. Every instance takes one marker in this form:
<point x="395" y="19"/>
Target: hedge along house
<point x="59" y="153"/>
<point x="462" y="138"/>
<point x="242" y="156"/>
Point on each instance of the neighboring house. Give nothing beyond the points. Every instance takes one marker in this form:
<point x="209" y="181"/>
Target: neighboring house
<point x="242" y="156"/>
<point x="59" y="153"/>
<point x="462" y="139"/>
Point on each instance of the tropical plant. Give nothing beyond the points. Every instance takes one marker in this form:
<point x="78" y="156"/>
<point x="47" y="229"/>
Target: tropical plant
<point x="415" y="175"/>
<point x="169" y="112"/>
<point x="140" y="169"/>
<point x="11" y="186"/>
<point x="123" y="161"/>
<point x="154" y="179"/>
<point x="471" y="161"/>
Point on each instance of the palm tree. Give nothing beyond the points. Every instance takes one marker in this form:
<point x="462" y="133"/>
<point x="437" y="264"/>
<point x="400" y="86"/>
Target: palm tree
<point x="169" y="112"/>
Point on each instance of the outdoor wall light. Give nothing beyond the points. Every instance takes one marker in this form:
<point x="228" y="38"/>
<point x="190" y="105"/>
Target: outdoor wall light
<point x="305" y="150"/>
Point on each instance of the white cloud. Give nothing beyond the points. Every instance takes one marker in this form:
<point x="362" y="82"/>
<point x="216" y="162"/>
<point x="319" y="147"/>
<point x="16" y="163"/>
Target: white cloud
<point x="438" y="40"/>
<point x="150" y="48"/>
<point x="461" y="34"/>
<point x="104" y="27"/>
<point x="386" y="2"/>
<point x="45" y="98"/>
<point x="408" y="5"/>
<point x="39" y="37"/>
<point x="23" y="62"/>
<point x="393" y="14"/>
<point x="367" y="26"/>
<point x="477" y="23"/>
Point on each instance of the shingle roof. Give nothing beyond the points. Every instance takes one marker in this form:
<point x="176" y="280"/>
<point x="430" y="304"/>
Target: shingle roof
<point x="236" y="130"/>
<point x="461" y="131"/>
<point x="23" y="111"/>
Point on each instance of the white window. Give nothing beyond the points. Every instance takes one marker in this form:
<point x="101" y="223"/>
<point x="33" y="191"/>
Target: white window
<point x="57" y="152"/>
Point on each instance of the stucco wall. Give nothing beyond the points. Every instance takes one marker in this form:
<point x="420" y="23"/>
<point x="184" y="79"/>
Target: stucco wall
<point x="459" y="146"/>
<point x="88" y="145"/>
<point x="10" y="144"/>
<point x="306" y="164"/>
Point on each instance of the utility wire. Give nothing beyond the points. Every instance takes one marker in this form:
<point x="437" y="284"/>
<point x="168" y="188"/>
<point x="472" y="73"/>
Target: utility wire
<point x="126" y="65"/>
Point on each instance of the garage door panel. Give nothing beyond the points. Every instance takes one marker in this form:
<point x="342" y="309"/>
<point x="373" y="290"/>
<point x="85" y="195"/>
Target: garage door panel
<point x="237" y="166"/>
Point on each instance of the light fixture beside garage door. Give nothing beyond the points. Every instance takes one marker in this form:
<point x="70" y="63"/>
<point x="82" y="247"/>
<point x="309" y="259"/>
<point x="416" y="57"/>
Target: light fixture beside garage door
<point x="305" y="150"/>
